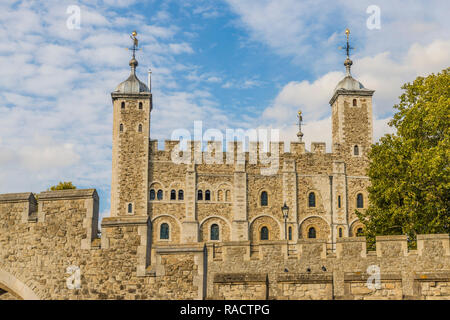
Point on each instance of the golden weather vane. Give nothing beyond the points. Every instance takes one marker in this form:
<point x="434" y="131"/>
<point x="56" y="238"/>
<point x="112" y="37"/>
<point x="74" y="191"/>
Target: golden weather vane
<point x="135" y="43"/>
<point x="347" y="46"/>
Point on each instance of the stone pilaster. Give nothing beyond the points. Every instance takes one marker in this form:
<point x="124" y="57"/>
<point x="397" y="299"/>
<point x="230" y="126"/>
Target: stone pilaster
<point x="190" y="224"/>
<point x="240" y="218"/>
<point x="290" y="195"/>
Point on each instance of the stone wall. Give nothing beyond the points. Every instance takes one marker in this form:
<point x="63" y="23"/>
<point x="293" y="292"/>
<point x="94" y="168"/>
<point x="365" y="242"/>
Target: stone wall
<point x="235" y="190"/>
<point x="40" y="240"/>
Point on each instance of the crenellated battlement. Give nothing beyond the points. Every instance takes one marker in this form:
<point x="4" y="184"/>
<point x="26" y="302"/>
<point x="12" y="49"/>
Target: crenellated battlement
<point x="213" y="152"/>
<point x="346" y="248"/>
<point x="63" y="233"/>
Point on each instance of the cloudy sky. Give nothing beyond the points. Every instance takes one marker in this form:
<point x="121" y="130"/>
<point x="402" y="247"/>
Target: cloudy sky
<point x="229" y="63"/>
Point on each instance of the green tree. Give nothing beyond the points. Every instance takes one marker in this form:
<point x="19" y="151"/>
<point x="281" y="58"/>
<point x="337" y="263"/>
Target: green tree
<point x="409" y="170"/>
<point x="63" y="186"/>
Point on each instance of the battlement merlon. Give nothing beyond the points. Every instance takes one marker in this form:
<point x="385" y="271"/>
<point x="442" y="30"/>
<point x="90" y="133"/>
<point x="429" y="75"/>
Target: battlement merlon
<point x="27" y="200"/>
<point x="80" y="204"/>
<point x="236" y="147"/>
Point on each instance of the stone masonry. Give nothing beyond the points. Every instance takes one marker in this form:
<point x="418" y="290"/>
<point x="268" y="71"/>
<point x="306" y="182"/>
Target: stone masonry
<point x="211" y="226"/>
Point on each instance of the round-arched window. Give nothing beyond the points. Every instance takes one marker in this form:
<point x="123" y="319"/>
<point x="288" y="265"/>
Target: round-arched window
<point x="264" y="199"/>
<point x="214" y="232"/>
<point x="312" y="233"/>
<point x="164" y="232"/>
<point x="264" y="233"/>
<point x="312" y="200"/>
<point x="360" y="200"/>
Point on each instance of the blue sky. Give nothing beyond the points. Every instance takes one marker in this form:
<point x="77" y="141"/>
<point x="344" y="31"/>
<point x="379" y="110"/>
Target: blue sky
<point x="231" y="64"/>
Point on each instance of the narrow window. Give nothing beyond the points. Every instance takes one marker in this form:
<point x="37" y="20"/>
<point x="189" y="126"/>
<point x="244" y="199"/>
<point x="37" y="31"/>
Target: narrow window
<point x="312" y="233"/>
<point x="207" y="195"/>
<point x="312" y="200"/>
<point x="339" y="201"/>
<point x="220" y="195"/>
<point x="264" y="199"/>
<point x="164" y="232"/>
<point x="121" y="127"/>
<point x="359" y="232"/>
<point x="140" y="105"/>
<point x="199" y="195"/>
<point x="228" y="195"/>
<point x="180" y="195"/>
<point x="173" y="195"/>
<point x="130" y="208"/>
<point x="359" y="201"/>
<point x="152" y="194"/>
<point x="290" y="233"/>
<point x="264" y="233"/>
<point x="356" y="150"/>
<point x="354" y="103"/>
<point x="214" y="232"/>
<point x="123" y="105"/>
<point x="160" y="195"/>
<point x="140" y="128"/>
<point x="340" y="232"/>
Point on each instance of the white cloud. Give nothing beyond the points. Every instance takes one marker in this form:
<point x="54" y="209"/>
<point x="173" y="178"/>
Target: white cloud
<point x="297" y="28"/>
<point x="379" y="72"/>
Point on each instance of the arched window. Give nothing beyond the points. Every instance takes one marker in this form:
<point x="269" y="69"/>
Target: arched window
<point x="312" y="200"/>
<point x="290" y="233"/>
<point x="228" y="195"/>
<point x="121" y="127"/>
<point x="199" y="195"/>
<point x="130" y="208"/>
<point x="173" y="195"/>
<point x="214" y="232"/>
<point x="180" y="195"/>
<point x="312" y="233"/>
<point x="123" y="105"/>
<point x="152" y="194"/>
<point x="356" y="150"/>
<point x="207" y="195"/>
<point x="140" y="128"/>
<point x="359" y="201"/>
<point x="340" y="232"/>
<point x="359" y="232"/>
<point x="339" y="201"/>
<point x="160" y="195"/>
<point x="140" y="105"/>
<point x="355" y="103"/>
<point x="264" y="233"/>
<point x="264" y="199"/>
<point x="164" y="232"/>
<point x="220" y="195"/>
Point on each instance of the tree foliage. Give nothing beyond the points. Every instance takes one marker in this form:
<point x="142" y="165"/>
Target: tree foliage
<point x="409" y="170"/>
<point x="63" y="186"/>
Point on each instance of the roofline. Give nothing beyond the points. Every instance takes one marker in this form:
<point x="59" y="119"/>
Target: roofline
<point x="363" y="92"/>
<point x="142" y="95"/>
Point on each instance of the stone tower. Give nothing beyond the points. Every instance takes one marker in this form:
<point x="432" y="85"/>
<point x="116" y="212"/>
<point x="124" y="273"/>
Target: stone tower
<point x="352" y="128"/>
<point x="132" y="105"/>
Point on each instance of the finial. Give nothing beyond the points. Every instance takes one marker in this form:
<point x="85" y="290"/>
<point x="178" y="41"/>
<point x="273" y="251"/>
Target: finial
<point x="300" y="120"/>
<point x="347" y="63"/>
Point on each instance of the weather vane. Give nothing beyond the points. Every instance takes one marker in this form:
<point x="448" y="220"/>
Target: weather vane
<point x="347" y="46"/>
<point x="135" y="43"/>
